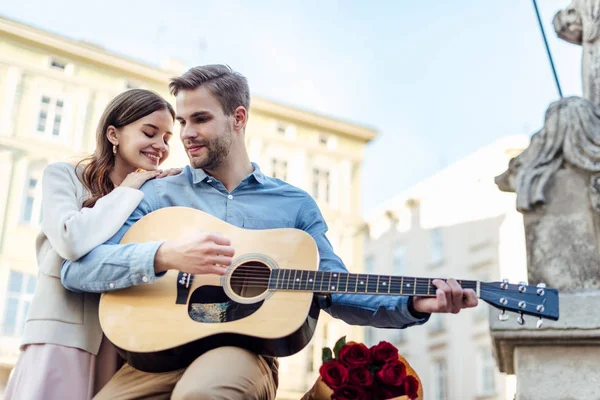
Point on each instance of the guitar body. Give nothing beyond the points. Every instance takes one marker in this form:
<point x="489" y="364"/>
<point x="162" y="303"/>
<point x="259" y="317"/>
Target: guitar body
<point x="166" y="325"/>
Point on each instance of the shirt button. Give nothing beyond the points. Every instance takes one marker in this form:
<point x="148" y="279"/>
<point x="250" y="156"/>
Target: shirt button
<point x="145" y="279"/>
<point x="111" y="285"/>
<point x="230" y="197"/>
<point x="209" y="181"/>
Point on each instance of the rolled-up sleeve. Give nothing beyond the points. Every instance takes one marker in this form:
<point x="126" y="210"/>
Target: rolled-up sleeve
<point x="113" y="266"/>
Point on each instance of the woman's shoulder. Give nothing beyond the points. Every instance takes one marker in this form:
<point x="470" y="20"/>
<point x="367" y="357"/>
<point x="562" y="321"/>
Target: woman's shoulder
<point x="61" y="166"/>
<point x="61" y="170"/>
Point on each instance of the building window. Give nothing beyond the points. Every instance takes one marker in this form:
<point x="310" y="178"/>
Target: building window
<point x="279" y="169"/>
<point x="436" y="323"/>
<point x="486" y="370"/>
<point x="58" y="109"/>
<point x="440" y="380"/>
<point x="399" y="335"/>
<point x="323" y="139"/>
<point x="57" y="64"/>
<point x="370" y="336"/>
<point x="321" y="184"/>
<point x="43" y="116"/>
<point x="437" y="246"/>
<point x="370" y="264"/>
<point x="18" y="298"/>
<point x="310" y="359"/>
<point x="399" y="260"/>
<point x="50" y="116"/>
<point x="282" y="129"/>
<point x="31" y="208"/>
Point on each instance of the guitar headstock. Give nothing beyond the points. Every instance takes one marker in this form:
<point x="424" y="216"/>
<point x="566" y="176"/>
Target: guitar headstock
<point x="537" y="301"/>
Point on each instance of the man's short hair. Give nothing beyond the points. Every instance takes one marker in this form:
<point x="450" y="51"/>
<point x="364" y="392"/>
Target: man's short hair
<point x="229" y="87"/>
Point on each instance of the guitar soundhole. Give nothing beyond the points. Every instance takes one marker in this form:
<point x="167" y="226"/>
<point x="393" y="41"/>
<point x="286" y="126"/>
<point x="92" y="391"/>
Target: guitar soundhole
<point x="250" y="279"/>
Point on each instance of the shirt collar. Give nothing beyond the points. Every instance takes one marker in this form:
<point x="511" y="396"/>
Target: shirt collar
<point x="200" y="175"/>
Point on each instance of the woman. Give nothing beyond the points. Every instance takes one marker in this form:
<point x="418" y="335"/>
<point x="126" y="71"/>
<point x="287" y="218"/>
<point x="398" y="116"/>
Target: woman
<point x="64" y="354"/>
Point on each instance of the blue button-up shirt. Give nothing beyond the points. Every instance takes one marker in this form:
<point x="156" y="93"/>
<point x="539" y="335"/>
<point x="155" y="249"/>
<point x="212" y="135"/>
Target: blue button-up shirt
<point x="258" y="202"/>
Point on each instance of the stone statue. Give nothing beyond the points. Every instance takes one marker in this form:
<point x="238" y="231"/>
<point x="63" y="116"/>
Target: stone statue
<point x="580" y="24"/>
<point x="557" y="178"/>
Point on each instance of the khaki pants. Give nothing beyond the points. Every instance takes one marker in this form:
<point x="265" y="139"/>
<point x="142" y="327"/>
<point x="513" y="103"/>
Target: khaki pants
<point x="227" y="373"/>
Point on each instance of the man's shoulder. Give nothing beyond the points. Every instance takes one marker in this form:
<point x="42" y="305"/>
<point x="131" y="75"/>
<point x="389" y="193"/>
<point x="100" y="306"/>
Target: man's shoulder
<point x="181" y="179"/>
<point x="286" y="187"/>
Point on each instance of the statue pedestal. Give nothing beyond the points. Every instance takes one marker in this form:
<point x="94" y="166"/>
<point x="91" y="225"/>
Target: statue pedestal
<point x="561" y="361"/>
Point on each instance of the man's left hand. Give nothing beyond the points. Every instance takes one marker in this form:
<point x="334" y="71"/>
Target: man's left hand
<point x="450" y="297"/>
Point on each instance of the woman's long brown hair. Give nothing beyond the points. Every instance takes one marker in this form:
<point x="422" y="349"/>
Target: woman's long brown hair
<point x="124" y="109"/>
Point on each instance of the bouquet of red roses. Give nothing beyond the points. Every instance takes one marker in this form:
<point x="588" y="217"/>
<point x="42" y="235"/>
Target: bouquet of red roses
<point x="354" y="371"/>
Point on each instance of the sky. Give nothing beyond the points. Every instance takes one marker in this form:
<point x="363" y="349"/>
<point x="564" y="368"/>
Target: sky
<point x="438" y="79"/>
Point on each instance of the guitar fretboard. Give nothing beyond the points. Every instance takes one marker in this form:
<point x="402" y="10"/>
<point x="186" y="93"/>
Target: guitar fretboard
<point x="336" y="282"/>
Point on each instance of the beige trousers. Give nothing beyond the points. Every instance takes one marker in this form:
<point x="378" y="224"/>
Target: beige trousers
<point x="224" y="373"/>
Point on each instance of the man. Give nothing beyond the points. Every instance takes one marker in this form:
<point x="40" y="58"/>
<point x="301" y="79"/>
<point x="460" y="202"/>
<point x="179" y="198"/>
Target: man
<point x="212" y="108"/>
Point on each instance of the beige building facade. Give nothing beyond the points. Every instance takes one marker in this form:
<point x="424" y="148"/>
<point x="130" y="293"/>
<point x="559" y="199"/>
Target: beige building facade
<point x="52" y="93"/>
<point x="453" y="224"/>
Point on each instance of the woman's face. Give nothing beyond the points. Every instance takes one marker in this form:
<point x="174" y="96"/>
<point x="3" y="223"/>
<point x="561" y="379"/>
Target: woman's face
<point x="144" y="144"/>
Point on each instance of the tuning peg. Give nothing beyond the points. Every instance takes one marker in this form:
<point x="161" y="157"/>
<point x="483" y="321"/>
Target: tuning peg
<point x="502" y="316"/>
<point x="504" y="284"/>
<point x="540" y="323"/>
<point x="520" y="319"/>
<point x="541" y="285"/>
<point x="522" y="286"/>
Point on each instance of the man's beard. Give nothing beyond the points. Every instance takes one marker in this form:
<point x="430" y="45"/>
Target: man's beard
<point x="217" y="151"/>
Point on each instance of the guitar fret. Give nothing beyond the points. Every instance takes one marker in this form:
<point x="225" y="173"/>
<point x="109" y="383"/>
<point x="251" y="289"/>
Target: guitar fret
<point x="377" y="287"/>
<point x="318" y="278"/>
<point x="347" y="278"/>
<point x="349" y="285"/>
<point x="302" y="281"/>
<point x="389" y="284"/>
<point x="415" y="287"/>
<point x="338" y="282"/>
<point x="372" y="286"/>
<point x="273" y="283"/>
<point x="295" y="281"/>
<point x="395" y="285"/>
<point x="401" y="285"/>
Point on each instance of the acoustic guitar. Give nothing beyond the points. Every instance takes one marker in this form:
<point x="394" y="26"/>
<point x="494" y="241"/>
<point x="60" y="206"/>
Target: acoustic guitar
<point x="264" y="302"/>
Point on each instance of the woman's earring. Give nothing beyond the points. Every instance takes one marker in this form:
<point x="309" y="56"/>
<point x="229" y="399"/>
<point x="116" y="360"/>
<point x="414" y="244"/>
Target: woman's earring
<point x="115" y="149"/>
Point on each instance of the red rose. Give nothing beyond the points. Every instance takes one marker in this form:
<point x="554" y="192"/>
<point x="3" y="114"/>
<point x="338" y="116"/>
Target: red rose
<point x="392" y="373"/>
<point x="350" y="392"/>
<point x="411" y="387"/>
<point x="360" y="376"/>
<point x="389" y="392"/>
<point x="333" y="374"/>
<point x="383" y="352"/>
<point x="354" y="355"/>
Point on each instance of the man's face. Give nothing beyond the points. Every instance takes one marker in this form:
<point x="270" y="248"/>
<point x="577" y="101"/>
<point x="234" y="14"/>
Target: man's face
<point x="206" y="132"/>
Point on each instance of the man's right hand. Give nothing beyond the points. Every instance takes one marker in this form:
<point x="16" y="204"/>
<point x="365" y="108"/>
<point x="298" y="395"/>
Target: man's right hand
<point x="200" y="253"/>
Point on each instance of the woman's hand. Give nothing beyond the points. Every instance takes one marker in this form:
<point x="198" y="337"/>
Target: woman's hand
<point x="169" y="172"/>
<point x="135" y="180"/>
